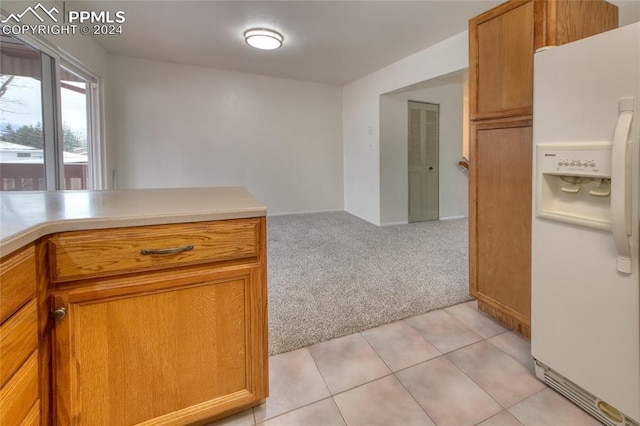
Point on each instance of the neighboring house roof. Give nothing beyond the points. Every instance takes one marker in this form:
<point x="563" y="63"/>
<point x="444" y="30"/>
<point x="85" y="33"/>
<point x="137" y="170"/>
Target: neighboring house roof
<point x="10" y="147"/>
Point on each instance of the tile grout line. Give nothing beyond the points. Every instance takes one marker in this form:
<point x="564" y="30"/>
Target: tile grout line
<point x="327" y="385"/>
<point x="486" y="391"/>
<point x="509" y="355"/>
<point x="413" y="397"/>
<point x="394" y="373"/>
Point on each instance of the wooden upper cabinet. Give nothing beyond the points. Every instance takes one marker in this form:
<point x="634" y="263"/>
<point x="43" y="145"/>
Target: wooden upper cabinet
<point x="502" y="42"/>
<point x="573" y="20"/>
<point x="501" y="71"/>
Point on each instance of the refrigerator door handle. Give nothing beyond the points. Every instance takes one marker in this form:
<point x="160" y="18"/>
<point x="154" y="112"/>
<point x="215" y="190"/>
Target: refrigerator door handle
<point x="621" y="185"/>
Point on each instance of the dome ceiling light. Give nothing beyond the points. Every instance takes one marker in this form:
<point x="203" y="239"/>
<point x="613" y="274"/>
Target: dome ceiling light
<point x="261" y="38"/>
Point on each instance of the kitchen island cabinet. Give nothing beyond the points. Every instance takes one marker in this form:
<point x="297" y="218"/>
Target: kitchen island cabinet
<point x="154" y="319"/>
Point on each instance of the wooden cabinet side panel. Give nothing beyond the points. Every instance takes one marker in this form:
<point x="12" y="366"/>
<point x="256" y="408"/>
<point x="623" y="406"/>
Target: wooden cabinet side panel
<point x="503" y="215"/>
<point x="44" y="331"/>
<point x="576" y="19"/>
<point x="260" y="320"/>
<point x="473" y="211"/>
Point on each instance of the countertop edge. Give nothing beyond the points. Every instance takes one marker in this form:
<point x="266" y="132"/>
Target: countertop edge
<point x="30" y="235"/>
<point x="47" y="226"/>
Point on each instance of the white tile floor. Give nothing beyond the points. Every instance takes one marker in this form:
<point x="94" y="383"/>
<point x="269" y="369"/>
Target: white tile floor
<point x="454" y="366"/>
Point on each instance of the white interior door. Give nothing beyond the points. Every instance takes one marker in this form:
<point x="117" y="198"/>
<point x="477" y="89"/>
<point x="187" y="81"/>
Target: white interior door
<point x="423" y="161"/>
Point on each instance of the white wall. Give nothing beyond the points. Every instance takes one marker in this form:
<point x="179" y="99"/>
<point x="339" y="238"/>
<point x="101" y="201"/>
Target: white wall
<point x="182" y="126"/>
<point x="361" y="112"/>
<point x="628" y="11"/>
<point x="453" y="197"/>
<point x="394" y="185"/>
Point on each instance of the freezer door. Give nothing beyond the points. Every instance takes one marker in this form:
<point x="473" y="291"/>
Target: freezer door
<point x="585" y="286"/>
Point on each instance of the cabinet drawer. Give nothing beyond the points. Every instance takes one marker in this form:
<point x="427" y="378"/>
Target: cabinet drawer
<point x="33" y="416"/>
<point x="18" y="339"/>
<point x="19" y="395"/>
<point x="17" y="281"/>
<point x="84" y="254"/>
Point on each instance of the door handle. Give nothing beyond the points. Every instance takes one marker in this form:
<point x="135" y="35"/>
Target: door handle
<point x="621" y="185"/>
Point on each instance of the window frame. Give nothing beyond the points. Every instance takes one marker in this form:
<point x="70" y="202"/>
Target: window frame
<point x="52" y="60"/>
<point x="94" y="145"/>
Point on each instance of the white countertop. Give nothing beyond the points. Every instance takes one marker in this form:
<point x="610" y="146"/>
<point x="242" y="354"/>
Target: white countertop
<point x="27" y="216"/>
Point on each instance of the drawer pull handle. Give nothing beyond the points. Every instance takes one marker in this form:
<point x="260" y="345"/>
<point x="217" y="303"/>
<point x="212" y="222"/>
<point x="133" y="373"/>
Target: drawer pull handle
<point x="167" y="250"/>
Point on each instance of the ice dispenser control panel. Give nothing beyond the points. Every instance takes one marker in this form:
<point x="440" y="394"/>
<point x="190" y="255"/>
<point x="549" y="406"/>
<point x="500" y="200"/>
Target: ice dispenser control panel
<point x="573" y="183"/>
<point x="575" y="160"/>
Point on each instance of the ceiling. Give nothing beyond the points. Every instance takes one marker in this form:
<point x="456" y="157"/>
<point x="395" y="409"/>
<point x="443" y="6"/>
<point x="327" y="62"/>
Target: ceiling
<point x="332" y="42"/>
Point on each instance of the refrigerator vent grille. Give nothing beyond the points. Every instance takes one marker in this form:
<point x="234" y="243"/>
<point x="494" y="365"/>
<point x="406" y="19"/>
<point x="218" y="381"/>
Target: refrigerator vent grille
<point x="580" y="397"/>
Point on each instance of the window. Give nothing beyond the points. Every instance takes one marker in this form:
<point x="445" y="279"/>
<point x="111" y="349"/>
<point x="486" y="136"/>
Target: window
<point x="20" y="117"/>
<point x="49" y="137"/>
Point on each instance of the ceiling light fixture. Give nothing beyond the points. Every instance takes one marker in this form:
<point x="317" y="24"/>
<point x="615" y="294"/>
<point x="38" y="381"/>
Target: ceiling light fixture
<point x="261" y="38"/>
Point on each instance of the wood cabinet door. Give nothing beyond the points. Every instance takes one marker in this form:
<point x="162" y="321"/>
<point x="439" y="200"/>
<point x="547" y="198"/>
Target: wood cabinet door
<point x="500" y="219"/>
<point x="161" y="349"/>
<point x="502" y="42"/>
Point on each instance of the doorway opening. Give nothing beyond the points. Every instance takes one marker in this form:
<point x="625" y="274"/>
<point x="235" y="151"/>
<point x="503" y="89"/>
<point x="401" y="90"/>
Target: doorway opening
<point x="398" y="184"/>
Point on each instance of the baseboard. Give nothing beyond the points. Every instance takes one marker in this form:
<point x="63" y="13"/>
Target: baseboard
<point x="360" y="217"/>
<point x="406" y="222"/>
<point x="504" y="314"/>
<point x="305" y="212"/>
<point x="453" y="217"/>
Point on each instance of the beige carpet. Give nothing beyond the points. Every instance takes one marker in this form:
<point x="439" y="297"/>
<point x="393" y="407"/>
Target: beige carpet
<point x="333" y="274"/>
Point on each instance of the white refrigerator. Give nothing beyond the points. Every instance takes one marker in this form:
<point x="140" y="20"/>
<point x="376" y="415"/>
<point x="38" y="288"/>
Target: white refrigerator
<point x="585" y="268"/>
